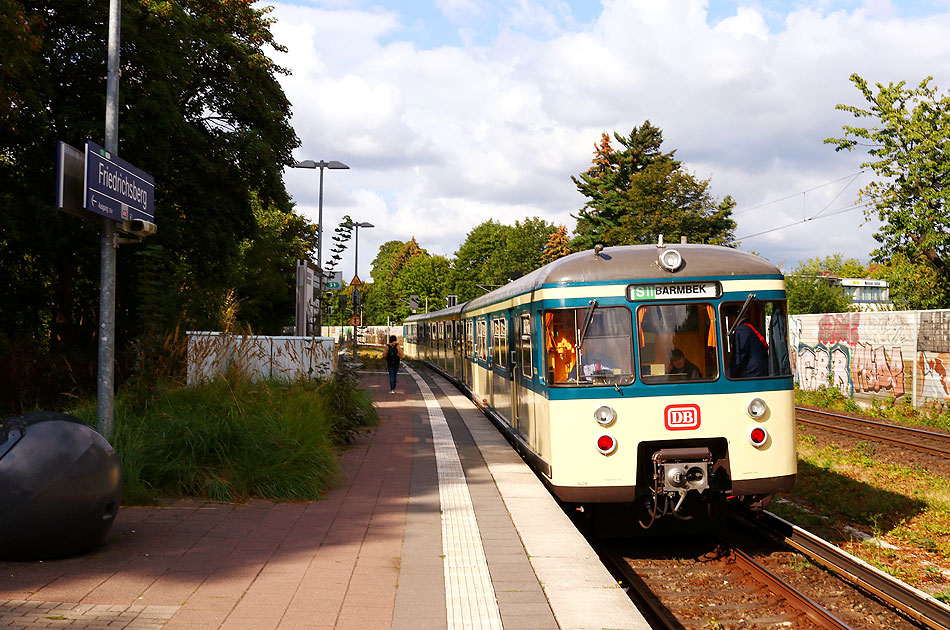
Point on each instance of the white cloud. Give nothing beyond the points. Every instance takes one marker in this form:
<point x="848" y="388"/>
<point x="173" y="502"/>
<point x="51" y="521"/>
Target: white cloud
<point x="441" y="138"/>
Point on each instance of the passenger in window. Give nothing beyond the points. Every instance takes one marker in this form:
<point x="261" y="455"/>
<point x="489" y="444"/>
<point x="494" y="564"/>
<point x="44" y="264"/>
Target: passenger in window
<point x="750" y="354"/>
<point x="679" y="364"/>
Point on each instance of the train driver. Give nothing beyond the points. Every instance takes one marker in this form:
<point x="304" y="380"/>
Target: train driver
<point x="750" y="356"/>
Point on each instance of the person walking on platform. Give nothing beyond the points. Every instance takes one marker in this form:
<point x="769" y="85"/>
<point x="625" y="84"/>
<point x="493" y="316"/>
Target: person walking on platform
<point x="392" y="362"/>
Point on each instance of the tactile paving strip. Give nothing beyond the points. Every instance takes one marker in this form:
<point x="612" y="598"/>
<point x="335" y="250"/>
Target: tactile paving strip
<point x="469" y="596"/>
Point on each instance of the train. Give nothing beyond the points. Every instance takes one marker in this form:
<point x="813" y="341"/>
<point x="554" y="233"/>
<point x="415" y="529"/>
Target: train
<point x="652" y="378"/>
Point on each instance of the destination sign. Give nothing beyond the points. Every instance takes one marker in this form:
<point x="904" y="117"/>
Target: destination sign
<point x="674" y="291"/>
<point x="116" y="189"/>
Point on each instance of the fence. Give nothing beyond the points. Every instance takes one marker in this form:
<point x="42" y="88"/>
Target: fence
<point x="868" y="355"/>
<point x="260" y="357"/>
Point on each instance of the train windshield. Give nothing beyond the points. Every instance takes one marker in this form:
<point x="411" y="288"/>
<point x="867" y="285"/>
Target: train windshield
<point x="756" y="338"/>
<point x="677" y="343"/>
<point x="605" y="354"/>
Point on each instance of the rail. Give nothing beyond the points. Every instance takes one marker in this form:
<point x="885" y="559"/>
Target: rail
<point x="912" y="602"/>
<point x="873" y="430"/>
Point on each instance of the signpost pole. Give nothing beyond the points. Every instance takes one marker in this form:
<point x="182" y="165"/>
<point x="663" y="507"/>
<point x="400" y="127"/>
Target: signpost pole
<point x="105" y="385"/>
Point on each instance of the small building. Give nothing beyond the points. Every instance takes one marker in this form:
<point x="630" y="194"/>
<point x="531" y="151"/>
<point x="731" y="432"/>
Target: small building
<point x="866" y="294"/>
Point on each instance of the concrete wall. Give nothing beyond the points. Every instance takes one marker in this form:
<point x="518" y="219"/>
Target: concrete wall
<point x="904" y="354"/>
<point x="284" y="358"/>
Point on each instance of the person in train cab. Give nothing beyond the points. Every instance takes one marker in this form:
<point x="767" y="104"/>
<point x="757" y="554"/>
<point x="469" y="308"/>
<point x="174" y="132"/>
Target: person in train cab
<point x="392" y="362"/>
<point x="750" y="354"/>
<point x="565" y="359"/>
<point x="679" y="364"/>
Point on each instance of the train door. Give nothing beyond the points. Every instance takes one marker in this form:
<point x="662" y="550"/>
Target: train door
<point x="482" y="367"/>
<point x="522" y="389"/>
<point x="468" y="353"/>
<point x="501" y="372"/>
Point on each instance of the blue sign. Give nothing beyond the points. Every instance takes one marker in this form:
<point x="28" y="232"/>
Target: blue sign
<point x="116" y="189"/>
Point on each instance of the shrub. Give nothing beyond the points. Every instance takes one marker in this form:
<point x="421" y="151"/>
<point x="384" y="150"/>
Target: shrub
<point x="231" y="439"/>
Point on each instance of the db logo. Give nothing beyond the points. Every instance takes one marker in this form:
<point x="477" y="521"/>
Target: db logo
<point x="681" y="417"/>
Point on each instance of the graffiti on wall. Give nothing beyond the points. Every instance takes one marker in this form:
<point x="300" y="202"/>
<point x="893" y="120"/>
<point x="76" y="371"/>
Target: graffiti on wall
<point x="854" y="353"/>
<point x="839" y="328"/>
<point x="935" y="375"/>
<point x="874" y="370"/>
<point x="820" y="366"/>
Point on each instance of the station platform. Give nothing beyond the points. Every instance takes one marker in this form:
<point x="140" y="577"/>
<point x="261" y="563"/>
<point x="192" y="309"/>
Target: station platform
<point x="436" y="523"/>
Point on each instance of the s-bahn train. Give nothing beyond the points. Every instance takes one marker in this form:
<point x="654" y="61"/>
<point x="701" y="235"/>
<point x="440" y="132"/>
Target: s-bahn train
<point x="655" y="377"/>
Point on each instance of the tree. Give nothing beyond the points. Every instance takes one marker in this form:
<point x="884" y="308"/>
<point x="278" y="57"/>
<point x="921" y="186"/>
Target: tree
<point x="809" y="287"/>
<point x="913" y="284"/>
<point x="200" y="109"/>
<point x="557" y="246"/>
<point x="425" y="276"/>
<point x="493" y="254"/>
<point x="907" y="142"/>
<point x="266" y="268"/>
<point x="638" y="192"/>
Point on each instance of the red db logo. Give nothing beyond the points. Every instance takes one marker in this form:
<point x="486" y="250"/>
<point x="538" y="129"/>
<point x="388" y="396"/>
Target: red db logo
<point x="681" y="417"/>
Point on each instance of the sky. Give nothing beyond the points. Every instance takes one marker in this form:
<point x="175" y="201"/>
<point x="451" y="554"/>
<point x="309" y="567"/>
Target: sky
<point x="453" y="112"/>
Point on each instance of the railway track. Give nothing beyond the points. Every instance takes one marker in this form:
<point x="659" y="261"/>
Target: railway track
<point x="765" y="572"/>
<point x="920" y="440"/>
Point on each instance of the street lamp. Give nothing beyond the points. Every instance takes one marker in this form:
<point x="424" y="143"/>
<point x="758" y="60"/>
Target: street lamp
<point x="322" y="164"/>
<point x="356" y="266"/>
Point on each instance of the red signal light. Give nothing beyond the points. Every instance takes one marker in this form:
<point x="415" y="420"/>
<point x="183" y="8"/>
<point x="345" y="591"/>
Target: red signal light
<point x="758" y="436"/>
<point x="606" y="444"/>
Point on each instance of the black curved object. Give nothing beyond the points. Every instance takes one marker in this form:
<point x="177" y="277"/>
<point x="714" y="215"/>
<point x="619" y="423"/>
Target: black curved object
<point x="60" y="487"/>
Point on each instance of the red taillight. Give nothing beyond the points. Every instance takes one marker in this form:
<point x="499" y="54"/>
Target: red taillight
<point x="758" y="436"/>
<point x="606" y="444"/>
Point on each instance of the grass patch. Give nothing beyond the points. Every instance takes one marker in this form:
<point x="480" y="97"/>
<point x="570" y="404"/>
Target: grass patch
<point x="904" y="506"/>
<point x="232" y="439"/>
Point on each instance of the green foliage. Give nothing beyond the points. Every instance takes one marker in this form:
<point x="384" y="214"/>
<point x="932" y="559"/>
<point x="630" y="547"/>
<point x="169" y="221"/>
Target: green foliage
<point x="266" y="265"/>
<point x="914" y="284"/>
<point x="809" y="291"/>
<point x="493" y="254"/>
<point x="907" y="140"/>
<point x="201" y="110"/>
<point x="638" y="192"/>
<point x="230" y="440"/>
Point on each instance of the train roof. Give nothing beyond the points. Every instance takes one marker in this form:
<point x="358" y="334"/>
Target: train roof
<point x="622" y="264"/>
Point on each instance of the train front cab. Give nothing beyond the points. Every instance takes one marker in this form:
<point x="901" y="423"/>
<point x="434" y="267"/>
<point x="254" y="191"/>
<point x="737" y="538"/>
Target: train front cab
<point x="656" y="409"/>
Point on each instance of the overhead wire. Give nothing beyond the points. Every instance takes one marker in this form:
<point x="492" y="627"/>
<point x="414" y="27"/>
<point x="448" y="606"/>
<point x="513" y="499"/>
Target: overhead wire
<point x="853" y="176"/>
<point x="793" y="224"/>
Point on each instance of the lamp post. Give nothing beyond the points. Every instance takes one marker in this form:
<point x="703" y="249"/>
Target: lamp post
<point x="356" y="267"/>
<point x="322" y="164"/>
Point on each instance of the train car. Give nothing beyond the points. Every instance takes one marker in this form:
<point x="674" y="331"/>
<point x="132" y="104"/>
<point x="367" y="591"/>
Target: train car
<point x="652" y="377"/>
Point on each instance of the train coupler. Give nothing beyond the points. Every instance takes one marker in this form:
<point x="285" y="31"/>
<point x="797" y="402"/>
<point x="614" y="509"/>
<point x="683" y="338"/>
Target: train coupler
<point x="676" y="473"/>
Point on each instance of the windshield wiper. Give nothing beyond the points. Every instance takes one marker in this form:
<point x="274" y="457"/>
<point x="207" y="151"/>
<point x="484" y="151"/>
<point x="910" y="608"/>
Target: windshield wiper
<point x="589" y="315"/>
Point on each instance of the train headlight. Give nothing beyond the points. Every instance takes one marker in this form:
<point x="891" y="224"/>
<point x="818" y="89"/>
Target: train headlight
<point x="606" y="444"/>
<point x="756" y="408"/>
<point x="670" y="259"/>
<point x="605" y="415"/>
<point x="758" y="436"/>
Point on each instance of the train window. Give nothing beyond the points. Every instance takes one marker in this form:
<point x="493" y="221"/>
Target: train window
<point x="481" y="340"/>
<point x="677" y="342"/>
<point x="469" y="338"/>
<point x="524" y="340"/>
<point x="756" y="338"/>
<point x="500" y="341"/>
<point x="605" y="353"/>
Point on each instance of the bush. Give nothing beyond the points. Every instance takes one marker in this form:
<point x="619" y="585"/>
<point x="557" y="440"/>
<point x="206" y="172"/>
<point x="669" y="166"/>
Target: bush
<point x="231" y="439"/>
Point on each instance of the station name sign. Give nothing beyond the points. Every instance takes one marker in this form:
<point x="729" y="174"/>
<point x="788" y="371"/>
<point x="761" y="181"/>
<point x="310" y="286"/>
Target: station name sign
<point x="674" y="291"/>
<point x="116" y="189"/>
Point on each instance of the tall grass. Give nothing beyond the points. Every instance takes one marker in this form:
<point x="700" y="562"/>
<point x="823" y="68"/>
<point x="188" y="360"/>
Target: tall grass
<point x="232" y="439"/>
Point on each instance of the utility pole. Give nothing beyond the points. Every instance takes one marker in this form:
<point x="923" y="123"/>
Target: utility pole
<point x="105" y="403"/>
